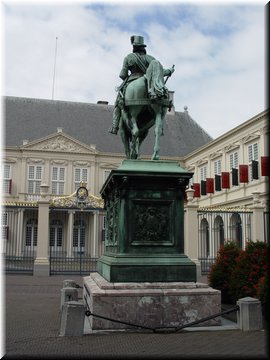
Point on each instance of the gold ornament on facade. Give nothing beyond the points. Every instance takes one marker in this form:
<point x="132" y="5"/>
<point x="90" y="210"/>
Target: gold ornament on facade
<point x="71" y="201"/>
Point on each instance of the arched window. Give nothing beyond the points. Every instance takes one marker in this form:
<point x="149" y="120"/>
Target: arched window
<point x="31" y="234"/>
<point x="79" y="237"/>
<point x="218" y="233"/>
<point x="56" y="235"/>
<point x="236" y="229"/>
<point x="205" y="243"/>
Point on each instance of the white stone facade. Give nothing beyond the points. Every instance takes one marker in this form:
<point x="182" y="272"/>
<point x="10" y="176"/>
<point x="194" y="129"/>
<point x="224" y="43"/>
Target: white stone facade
<point x="44" y="169"/>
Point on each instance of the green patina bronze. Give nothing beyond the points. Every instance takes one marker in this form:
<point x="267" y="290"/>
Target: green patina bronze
<point x="142" y="99"/>
<point x="144" y="241"/>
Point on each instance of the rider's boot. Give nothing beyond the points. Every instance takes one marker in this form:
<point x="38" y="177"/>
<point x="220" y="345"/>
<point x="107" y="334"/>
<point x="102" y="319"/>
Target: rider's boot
<point x="116" y="119"/>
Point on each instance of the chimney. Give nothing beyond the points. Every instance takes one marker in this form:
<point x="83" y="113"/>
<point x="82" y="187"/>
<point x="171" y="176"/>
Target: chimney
<point x="171" y="98"/>
<point x="101" y="102"/>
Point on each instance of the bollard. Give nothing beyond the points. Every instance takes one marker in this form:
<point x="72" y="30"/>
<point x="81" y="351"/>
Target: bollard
<point x="249" y="316"/>
<point x="72" y="319"/>
<point x="69" y="283"/>
<point x="68" y="294"/>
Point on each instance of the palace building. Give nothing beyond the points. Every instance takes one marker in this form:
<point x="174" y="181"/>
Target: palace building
<point x="52" y="148"/>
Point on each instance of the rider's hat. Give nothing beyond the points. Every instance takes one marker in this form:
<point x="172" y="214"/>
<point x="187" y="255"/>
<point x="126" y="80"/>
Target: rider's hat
<point x="137" y="40"/>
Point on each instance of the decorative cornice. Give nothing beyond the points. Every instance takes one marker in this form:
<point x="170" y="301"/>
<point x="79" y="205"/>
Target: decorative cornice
<point x="35" y="161"/>
<point x="81" y="163"/>
<point x="224" y="209"/>
<point x="202" y="162"/>
<point x="10" y="160"/>
<point x="232" y="146"/>
<point x="251" y="137"/>
<point x="216" y="154"/>
<point x="59" y="142"/>
<point x="59" y="162"/>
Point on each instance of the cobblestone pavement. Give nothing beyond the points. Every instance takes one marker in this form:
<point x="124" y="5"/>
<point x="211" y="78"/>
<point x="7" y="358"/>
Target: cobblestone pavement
<point x="32" y="306"/>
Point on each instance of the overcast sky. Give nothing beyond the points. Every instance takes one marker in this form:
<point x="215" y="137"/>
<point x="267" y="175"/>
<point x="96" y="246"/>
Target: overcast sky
<point x="218" y="50"/>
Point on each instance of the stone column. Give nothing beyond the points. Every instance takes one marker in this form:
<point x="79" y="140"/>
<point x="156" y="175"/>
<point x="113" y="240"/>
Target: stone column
<point x="257" y="218"/>
<point x="95" y="236"/>
<point x="19" y="244"/>
<point x="42" y="264"/>
<point x="70" y="234"/>
<point x="191" y="231"/>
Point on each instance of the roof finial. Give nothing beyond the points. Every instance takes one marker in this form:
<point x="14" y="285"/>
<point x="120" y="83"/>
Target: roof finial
<point x="186" y="108"/>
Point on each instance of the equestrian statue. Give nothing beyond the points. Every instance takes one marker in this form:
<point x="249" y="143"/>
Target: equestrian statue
<point x="142" y="99"/>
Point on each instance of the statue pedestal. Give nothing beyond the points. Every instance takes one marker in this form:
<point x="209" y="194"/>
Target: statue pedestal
<point x="144" y="277"/>
<point x="144" y="236"/>
<point x="164" y="304"/>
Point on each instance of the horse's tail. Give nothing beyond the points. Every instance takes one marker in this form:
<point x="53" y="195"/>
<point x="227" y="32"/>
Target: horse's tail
<point x="155" y="79"/>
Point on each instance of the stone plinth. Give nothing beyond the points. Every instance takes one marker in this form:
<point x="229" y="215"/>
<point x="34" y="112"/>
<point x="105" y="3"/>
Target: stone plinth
<point x="144" y="235"/>
<point x="156" y="304"/>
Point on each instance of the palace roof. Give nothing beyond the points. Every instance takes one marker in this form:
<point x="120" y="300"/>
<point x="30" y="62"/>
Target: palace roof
<point x="31" y="119"/>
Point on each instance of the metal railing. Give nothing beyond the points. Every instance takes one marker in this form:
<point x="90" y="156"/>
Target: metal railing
<point x="215" y="227"/>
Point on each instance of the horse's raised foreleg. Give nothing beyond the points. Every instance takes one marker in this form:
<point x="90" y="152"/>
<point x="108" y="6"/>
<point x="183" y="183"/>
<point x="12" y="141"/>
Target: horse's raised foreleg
<point x="158" y="132"/>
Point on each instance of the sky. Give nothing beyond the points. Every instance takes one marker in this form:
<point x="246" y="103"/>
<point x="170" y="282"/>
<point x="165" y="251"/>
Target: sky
<point x="74" y="50"/>
<point x="218" y="49"/>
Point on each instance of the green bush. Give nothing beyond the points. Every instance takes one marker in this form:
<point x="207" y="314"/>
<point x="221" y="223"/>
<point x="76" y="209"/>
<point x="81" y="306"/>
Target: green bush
<point x="263" y="295"/>
<point x="249" y="267"/>
<point x="263" y="289"/>
<point x="220" y="273"/>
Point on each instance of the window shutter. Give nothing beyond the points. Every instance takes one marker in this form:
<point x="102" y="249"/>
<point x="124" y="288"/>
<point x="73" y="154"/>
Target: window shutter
<point x="197" y="189"/>
<point x="217" y="182"/>
<point x="234" y="177"/>
<point x="255" y="169"/>
<point x="265" y="165"/>
<point x="10" y="186"/>
<point x="210" y="185"/>
<point x="225" y="177"/>
<point x="203" y="187"/>
<point x="243" y="171"/>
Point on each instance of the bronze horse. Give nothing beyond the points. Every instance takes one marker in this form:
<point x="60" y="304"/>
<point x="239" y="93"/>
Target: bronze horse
<point x="146" y="101"/>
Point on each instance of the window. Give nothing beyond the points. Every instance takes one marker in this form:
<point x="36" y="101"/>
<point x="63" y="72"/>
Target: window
<point x="236" y="229"/>
<point x="6" y="175"/>
<point x="58" y="180"/>
<point x="80" y="175"/>
<point x="217" y="167"/>
<point x="79" y="236"/>
<point x="4" y="226"/>
<point x="31" y="233"/>
<point x="234" y="160"/>
<point x="56" y="234"/>
<point x="34" y="179"/>
<point x="203" y="172"/>
<point x="253" y="154"/>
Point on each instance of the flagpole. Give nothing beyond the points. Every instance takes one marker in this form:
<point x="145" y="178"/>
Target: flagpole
<point x="54" y="67"/>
